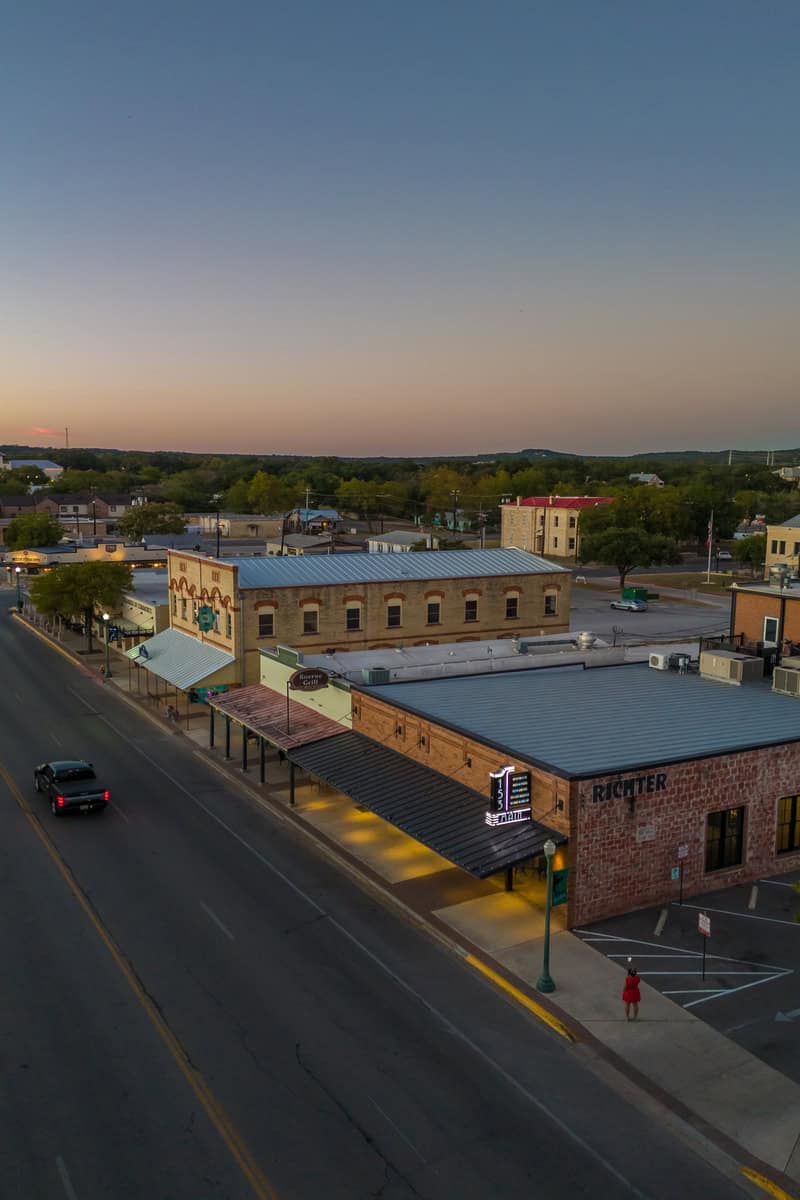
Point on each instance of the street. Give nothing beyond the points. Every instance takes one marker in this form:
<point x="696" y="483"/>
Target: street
<point x="197" y="1004"/>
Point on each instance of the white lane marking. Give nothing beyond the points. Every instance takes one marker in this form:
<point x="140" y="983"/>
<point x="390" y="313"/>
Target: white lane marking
<point x="776" y="883"/>
<point x="65" y="1179"/>
<point x="753" y="901"/>
<point x="213" y="916"/>
<point x="611" y="937"/>
<point x="730" y="991"/>
<point x="661" y="922"/>
<point x="749" y="974"/>
<point x="464" y="1038"/>
<point x="396" y="1128"/>
<point x="727" y="912"/>
<point x="121" y="811"/>
<point x="56" y="738"/>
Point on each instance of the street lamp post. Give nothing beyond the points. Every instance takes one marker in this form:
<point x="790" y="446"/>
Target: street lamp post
<point x="108" y="655"/>
<point x="18" y="572"/>
<point x="545" y="981"/>
<point x="217" y="497"/>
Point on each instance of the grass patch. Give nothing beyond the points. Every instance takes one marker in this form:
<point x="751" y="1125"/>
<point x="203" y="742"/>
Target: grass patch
<point x="690" y="581"/>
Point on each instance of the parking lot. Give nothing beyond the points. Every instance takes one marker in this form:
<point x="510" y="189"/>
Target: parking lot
<point x="665" y="618"/>
<point x="751" y="988"/>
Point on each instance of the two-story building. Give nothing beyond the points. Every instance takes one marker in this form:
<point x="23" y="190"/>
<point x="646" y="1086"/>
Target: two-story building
<point x="783" y="546"/>
<point x="357" y="601"/>
<point x="546" y="525"/>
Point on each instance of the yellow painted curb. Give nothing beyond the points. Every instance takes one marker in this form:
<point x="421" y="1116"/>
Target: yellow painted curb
<point x="219" y="1118"/>
<point x="43" y="637"/>
<point x="538" y="1011"/>
<point x="767" y="1184"/>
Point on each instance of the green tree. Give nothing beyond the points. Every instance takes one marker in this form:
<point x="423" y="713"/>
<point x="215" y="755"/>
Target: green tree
<point x="266" y="494"/>
<point x="18" y="481"/>
<point x="626" y="548"/>
<point x="751" y="552"/>
<point x="151" y="518"/>
<point x="33" y="529"/>
<point x="236" y="498"/>
<point x="79" y="589"/>
<point x="438" y="485"/>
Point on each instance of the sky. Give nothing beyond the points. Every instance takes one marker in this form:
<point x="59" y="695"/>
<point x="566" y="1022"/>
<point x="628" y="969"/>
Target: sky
<point x="429" y="227"/>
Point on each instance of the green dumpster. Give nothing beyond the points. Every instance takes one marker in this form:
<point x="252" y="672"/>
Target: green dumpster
<point x="634" y="593"/>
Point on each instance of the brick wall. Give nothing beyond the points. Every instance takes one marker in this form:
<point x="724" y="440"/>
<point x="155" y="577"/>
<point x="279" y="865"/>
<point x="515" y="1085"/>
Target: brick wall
<point x="622" y="858"/>
<point x="457" y="756"/>
<point x="752" y="607"/>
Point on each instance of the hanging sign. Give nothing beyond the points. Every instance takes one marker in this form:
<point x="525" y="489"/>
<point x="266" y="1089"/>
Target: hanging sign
<point x="510" y="797"/>
<point x="309" y="679"/>
<point x="205" y="618"/>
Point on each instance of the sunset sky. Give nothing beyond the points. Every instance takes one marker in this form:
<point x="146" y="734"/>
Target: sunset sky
<point x="384" y="228"/>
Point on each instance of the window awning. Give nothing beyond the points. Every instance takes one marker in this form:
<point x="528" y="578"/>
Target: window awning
<point x="180" y="659"/>
<point x="264" y="711"/>
<point x="444" y="815"/>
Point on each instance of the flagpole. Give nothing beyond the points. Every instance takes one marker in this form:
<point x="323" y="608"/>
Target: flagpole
<point x="710" y="541"/>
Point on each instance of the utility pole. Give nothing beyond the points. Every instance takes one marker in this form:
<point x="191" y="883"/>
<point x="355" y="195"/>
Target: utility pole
<point x="730" y="458"/>
<point x="66" y="437"/>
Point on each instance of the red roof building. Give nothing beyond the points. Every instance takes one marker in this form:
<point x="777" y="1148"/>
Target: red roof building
<point x="546" y="525"/>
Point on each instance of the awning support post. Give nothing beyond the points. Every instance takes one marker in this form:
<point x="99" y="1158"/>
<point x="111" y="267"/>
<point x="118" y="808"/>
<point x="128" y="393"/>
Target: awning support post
<point x="210" y="727"/>
<point x="291" y="784"/>
<point x="227" y="736"/>
<point x="262" y="764"/>
<point x="244" y="748"/>
<point x="509" y="879"/>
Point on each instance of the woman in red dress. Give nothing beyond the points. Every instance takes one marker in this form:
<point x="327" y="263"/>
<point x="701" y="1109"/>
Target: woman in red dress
<point x="630" y="994"/>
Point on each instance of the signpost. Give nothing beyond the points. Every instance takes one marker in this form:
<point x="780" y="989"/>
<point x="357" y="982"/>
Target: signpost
<point x="704" y="927"/>
<point x="683" y="853"/>
<point x="675" y="874"/>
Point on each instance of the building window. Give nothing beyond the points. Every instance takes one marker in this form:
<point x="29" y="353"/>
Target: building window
<point x="771" y="630"/>
<point x="778" y="547"/>
<point x="788" y="825"/>
<point x="434" y="612"/>
<point x="512" y="607"/>
<point x="572" y="522"/>
<point x="796" y="549"/>
<point x="555" y="522"/>
<point x="228" y="625"/>
<point x="470" y="610"/>
<point x="724" y="839"/>
<point x="266" y="624"/>
<point x="394" y="615"/>
<point x="215" y="576"/>
<point x="183" y="610"/>
<point x="550" y="604"/>
<point x="174" y="606"/>
<point x="572" y="543"/>
<point x="352" y="618"/>
<point x="555" y="543"/>
<point x="310" y="620"/>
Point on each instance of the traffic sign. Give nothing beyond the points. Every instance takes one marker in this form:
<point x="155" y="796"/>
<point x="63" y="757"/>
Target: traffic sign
<point x="675" y="874"/>
<point x="704" y="924"/>
<point x="683" y="851"/>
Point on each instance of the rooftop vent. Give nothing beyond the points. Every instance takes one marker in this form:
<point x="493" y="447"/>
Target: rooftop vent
<point x="727" y="667"/>
<point x="779" y="575"/>
<point x="372" y="675"/>
<point x="786" y="677"/>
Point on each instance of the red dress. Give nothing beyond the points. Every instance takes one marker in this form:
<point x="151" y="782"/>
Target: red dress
<point x="630" y="993"/>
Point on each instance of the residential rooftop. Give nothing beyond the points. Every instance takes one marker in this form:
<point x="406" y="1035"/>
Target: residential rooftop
<point x="300" y="571"/>
<point x="581" y="723"/>
<point x="151" y="584"/>
<point x="793" y="522"/>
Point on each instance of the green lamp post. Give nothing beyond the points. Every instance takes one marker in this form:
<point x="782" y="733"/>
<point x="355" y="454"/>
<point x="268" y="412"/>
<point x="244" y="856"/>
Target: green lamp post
<point x="545" y="981"/>
<point x="108" y="648"/>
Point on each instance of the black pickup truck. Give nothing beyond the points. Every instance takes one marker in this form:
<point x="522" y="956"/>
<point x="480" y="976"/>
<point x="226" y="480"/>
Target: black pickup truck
<point x="70" y="786"/>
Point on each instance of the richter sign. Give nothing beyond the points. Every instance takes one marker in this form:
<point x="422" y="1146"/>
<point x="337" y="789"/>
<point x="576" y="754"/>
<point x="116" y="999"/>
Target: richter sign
<point x="510" y="799"/>
<point x="627" y="789"/>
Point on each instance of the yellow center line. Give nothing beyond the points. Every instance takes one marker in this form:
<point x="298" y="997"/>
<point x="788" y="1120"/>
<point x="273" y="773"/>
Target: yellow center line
<point x="767" y="1184"/>
<point x="219" y="1118"/>
<point x="517" y="994"/>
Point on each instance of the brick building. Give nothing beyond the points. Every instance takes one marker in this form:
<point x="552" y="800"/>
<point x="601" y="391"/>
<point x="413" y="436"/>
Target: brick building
<point x="359" y="601"/>
<point x="643" y="773"/>
<point x="547" y="525"/>
<point x="766" y="618"/>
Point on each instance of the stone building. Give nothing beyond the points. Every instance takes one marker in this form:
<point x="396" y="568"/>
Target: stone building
<point x="548" y="525"/>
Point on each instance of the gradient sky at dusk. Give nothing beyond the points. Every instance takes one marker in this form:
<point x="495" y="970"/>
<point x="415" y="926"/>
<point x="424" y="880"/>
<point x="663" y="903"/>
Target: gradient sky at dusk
<point x="385" y="228"/>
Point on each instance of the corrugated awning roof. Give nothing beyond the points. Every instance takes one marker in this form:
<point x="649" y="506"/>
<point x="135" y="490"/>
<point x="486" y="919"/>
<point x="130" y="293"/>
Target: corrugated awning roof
<point x="263" y="710"/>
<point x="182" y="660"/>
<point x="442" y="814"/>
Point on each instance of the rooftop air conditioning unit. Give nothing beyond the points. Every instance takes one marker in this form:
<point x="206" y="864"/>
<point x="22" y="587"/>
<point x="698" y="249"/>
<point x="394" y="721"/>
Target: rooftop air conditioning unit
<point x="659" y="662"/>
<point x="372" y="675"/>
<point x="727" y="667"/>
<point x="786" y="677"/>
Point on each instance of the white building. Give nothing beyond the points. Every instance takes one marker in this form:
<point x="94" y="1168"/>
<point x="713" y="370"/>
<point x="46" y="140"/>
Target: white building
<point x="400" y="541"/>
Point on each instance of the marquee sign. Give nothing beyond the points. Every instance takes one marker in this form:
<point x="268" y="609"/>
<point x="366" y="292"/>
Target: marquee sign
<point x="309" y="679"/>
<point x="629" y="789"/>
<point x="510" y="797"/>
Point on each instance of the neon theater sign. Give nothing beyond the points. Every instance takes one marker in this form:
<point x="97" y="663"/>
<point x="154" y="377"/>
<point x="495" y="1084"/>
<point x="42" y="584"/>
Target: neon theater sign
<point x="510" y="797"/>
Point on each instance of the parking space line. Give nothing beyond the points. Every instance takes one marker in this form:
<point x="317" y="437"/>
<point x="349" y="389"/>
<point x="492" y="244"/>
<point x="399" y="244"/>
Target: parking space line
<point x="741" y="988"/>
<point x="777" y="883"/>
<point x="213" y="917"/>
<point x="65" y="1179"/>
<point x="727" y="912"/>
<point x="751" y="903"/>
<point x="613" y="937"/>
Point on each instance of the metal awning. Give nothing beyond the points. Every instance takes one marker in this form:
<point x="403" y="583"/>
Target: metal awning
<point x="264" y="711"/>
<point x="180" y="659"/>
<point x="444" y="815"/>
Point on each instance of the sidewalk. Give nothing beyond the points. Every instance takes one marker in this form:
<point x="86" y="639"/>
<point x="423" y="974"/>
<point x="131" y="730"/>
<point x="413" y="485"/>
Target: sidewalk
<point x="708" y="1079"/>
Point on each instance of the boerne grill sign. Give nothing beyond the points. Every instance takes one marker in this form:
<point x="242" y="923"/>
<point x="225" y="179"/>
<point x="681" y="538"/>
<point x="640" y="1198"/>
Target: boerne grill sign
<point x="309" y="679"/>
<point x="510" y="797"/>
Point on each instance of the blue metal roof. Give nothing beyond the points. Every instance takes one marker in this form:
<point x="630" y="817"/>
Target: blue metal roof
<point x="41" y="463"/>
<point x="311" y="514"/>
<point x="274" y="571"/>
<point x="604" y="719"/>
<point x="180" y="658"/>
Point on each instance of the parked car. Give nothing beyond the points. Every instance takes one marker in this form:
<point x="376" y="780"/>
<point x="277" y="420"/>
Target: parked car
<point x="70" y="786"/>
<point x="725" y="556"/>
<point x="630" y="605"/>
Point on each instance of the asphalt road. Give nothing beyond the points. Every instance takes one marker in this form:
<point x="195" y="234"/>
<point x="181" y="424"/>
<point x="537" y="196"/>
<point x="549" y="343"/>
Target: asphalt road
<point x="196" y="1004"/>
<point x="664" y="618"/>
